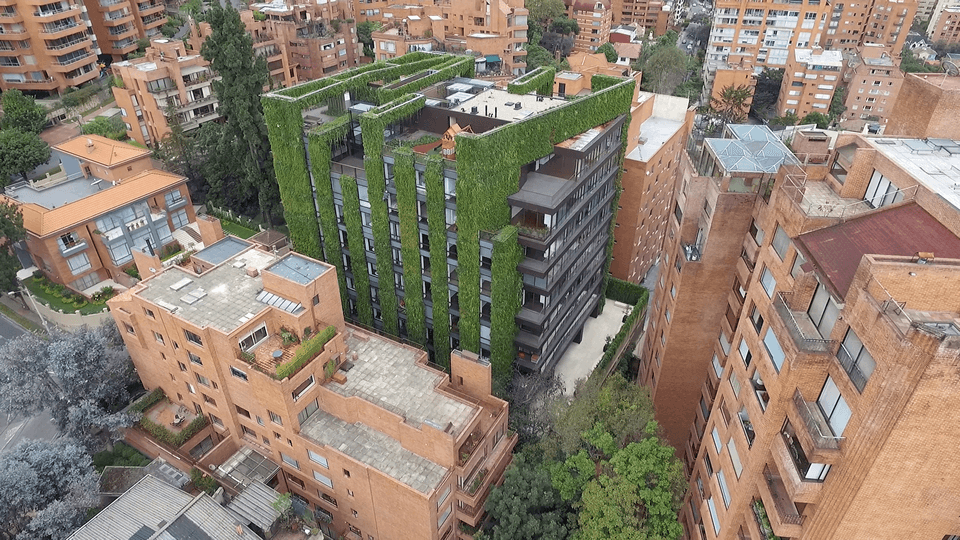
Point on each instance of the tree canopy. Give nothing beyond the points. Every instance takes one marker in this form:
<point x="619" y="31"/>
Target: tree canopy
<point x="20" y="153"/>
<point x="664" y="66"/>
<point x="80" y="377"/>
<point x="240" y="145"/>
<point x="528" y="506"/>
<point x="541" y="12"/>
<point x="22" y="112"/>
<point x="11" y="232"/>
<point x="607" y="50"/>
<point x="111" y="128"/>
<point x="731" y="105"/>
<point x="821" y="120"/>
<point x="45" y="489"/>
<point x="365" y="30"/>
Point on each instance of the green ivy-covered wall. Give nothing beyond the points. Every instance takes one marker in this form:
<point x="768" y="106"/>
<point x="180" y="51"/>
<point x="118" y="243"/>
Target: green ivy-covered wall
<point x="540" y="79"/>
<point x="358" y="260"/>
<point x="439" y="286"/>
<point x="505" y="294"/>
<point x="404" y="176"/>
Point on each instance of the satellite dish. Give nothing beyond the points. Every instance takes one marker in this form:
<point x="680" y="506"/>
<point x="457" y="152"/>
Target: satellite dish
<point x="950" y="68"/>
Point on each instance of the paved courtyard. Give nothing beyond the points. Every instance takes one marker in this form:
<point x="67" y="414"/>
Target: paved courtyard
<point x="580" y="359"/>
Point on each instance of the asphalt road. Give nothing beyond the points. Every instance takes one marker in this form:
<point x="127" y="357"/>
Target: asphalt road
<point x="16" y="429"/>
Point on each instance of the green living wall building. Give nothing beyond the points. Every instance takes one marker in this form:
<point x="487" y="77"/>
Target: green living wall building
<point x="496" y="240"/>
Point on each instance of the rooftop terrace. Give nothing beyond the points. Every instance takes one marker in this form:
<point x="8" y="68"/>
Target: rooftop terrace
<point x="935" y="163"/>
<point x="388" y="374"/>
<point x="56" y="191"/>
<point x="751" y="149"/>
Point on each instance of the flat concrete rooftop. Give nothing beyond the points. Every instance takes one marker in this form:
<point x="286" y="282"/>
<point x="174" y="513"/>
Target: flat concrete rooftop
<point x="928" y="161"/>
<point x="387" y="374"/>
<point x="656" y="131"/>
<point x="505" y="104"/>
<point x="52" y="194"/>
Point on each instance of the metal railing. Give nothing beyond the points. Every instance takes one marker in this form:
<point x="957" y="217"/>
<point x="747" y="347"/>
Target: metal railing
<point x="71" y="43"/>
<point x="74" y="59"/>
<point x="692" y="252"/>
<point x="803" y="342"/>
<point x="59" y="27"/>
<point x="786" y="509"/>
<point x="813" y="419"/>
<point x="850" y="366"/>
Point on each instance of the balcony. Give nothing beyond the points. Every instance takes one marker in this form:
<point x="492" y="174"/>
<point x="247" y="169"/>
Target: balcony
<point x="784" y="517"/>
<point x="277" y="354"/>
<point x="69" y="60"/>
<point x="57" y="12"/>
<point x="72" y="247"/>
<point x="815" y="433"/>
<point x="801" y="329"/>
<point x="850" y="366"/>
<point x="70" y="42"/>
<point x="692" y="252"/>
<point x="60" y="27"/>
<point x="791" y="461"/>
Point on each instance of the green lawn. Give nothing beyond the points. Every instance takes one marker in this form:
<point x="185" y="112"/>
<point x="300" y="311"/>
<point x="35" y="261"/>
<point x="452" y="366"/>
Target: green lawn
<point x="237" y="230"/>
<point x="55" y="303"/>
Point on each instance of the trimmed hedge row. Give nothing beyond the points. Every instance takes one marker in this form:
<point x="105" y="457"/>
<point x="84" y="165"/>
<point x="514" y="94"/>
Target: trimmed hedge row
<point x="439" y="288"/>
<point x="505" y="294"/>
<point x="147" y="401"/>
<point x="405" y="180"/>
<point x="358" y="258"/>
<point x="624" y="291"/>
<point x="462" y="66"/>
<point x="372" y="124"/>
<point x="608" y="355"/>
<point x="164" y="435"/>
<point x="540" y="79"/>
<point x="308" y="349"/>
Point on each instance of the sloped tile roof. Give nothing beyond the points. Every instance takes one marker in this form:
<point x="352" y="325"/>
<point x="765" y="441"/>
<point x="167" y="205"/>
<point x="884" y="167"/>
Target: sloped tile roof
<point x="101" y="150"/>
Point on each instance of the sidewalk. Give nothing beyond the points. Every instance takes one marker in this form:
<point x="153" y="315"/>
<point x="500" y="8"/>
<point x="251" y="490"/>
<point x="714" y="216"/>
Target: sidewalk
<point x="26" y="318"/>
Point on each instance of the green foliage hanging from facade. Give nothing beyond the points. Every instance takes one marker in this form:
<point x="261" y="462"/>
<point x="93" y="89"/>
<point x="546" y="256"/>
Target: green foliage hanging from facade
<point x="358" y="260"/>
<point x="437" y="225"/>
<point x="457" y="66"/>
<point x="540" y="79"/>
<point x="505" y="292"/>
<point x="406" y="182"/>
<point x="614" y="345"/>
<point x="624" y="291"/>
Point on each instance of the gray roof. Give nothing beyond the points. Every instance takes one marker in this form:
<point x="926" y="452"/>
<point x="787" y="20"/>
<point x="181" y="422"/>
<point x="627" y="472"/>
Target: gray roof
<point x="388" y="375"/>
<point x="374" y="449"/>
<point x="222" y="250"/>
<point x="298" y="269"/>
<point x="156" y="510"/>
<point x="754" y="149"/>
<point x="247" y="466"/>
<point x="255" y="505"/>
<point x="56" y="195"/>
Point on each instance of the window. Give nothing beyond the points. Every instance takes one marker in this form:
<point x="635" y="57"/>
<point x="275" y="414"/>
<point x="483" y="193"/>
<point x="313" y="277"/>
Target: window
<point x="79" y="264"/>
<point x="259" y="420"/>
<point x="717" y="368"/>
<point x="774" y="350"/>
<point x="191" y="389"/>
<point x="173" y="198"/>
<point x="745" y="352"/>
<point x="678" y="213"/>
<point x="443" y="497"/>
<point x="781" y="242"/>
<point x="298" y="482"/>
<point x="192" y="338"/>
<point x="327" y="498"/>
<point x="210" y="400"/>
<point x="129" y="329"/>
<point x="242" y="412"/>
<point x="735" y="383"/>
<point x="856" y="360"/>
<point x="716" y="440"/>
<point x="194" y="358"/>
<point x="299" y="391"/>
<point x="290" y="461"/>
<point x="756" y="318"/>
<point x="769" y="284"/>
<point x="275" y="418"/>
<point x="724" y="490"/>
<point x="179" y="219"/>
<point x="318" y="459"/>
<point x="823" y="311"/>
<point x="798" y="262"/>
<point x="756" y="232"/>
<point x="713" y="516"/>
<point x="238" y="374"/>
<point x="183" y="367"/>
<point x="308" y="411"/>
<point x="443" y="517"/>
<point x="201" y="379"/>
<point x="734" y="457"/>
<point x="254" y="338"/>
<point x="673" y="291"/>
<point x="834" y="407"/>
<point x="217" y="421"/>
<point x="346" y="473"/>
<point x="149" y="313"/>
<point x="248" y="431"/>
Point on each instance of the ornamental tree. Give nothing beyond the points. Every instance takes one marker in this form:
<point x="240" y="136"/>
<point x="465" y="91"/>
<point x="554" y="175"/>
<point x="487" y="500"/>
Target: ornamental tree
<point x="20" y="153"/>
<point x="11" y="232"/>
<point x="22" y="112"/>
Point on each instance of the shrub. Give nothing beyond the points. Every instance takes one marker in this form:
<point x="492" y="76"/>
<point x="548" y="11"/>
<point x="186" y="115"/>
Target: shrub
<point x="132" y="272"/>
<point x="611" y="348"/>
<point x="164" y="435"/>
<point x="148" y="400"/>
<point x="624" y="291"/>
<point x="203" y="482"/>
<point x="122" y="455"/>
<point x="308" y="349"/>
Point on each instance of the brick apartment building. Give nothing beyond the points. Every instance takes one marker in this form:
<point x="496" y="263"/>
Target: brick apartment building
<point x="927" y="106"/>
<point x="819" y="398"/>
<point x="885" y="22"/>
<point x="82" y="224"/>
<point x="495" y="32"/>
<point x="46" y="47"/>
<point x="649" y="16"/>
<point x="432" y="273"/>
<point x="118" y="24"/>
<point x="594" y="17"/>
<point x="947" y="29"/>
<point x="360" y="429"/>
<point x="872" y="78"/>
<point x="809" y="81"/>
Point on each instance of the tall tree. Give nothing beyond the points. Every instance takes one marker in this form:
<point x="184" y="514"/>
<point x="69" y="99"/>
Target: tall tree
<point x="45" y="490"/>
<point x="180" y="153"/>
<point x="81" y="378"/>
<point x="528" y="506"/>
<point x="365" y="30"/>
<point x="229" y="49"/>
<point x="821" y="120"/>
<point x="731" y="105"/>
<point x="11" y="232"/>
<point x="541" y="12"/>
<point x="607" y="50"/>
<point x="20" y="153"/>
<point x="22" y="112"/>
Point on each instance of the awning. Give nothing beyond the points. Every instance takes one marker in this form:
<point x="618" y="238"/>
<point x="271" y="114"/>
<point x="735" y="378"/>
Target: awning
<point x="493" y="58"/>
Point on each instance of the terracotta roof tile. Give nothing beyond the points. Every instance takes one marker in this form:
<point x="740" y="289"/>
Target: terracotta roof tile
<point x="101" y="150"/>
<point x="902" y="230"/>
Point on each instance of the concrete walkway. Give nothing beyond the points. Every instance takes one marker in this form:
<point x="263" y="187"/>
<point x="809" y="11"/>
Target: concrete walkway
<point x="580" y="359"/>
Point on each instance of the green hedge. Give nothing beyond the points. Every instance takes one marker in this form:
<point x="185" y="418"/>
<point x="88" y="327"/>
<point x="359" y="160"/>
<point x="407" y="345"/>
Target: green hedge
<point x="164" y="435"/>
<point x="439" y="288"/>
<point x="148" y="401"/>
<point x="358" y="258"/>
<point x="372" y="124"/>
<point x="540" y="79"/>
<point x="458" y="66"/>
<point x="624" y="291"/>
<point x="505" y="294"/>
<point x="608" y="355"/>
<point x="307" y="351"/>
<point x="405" y="180"/>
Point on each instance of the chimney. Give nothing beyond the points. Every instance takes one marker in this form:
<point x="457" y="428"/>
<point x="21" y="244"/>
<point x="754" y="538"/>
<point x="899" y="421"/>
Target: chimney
<point x="210" y="230"/>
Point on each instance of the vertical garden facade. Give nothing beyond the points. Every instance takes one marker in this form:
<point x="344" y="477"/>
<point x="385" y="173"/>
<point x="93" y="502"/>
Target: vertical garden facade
<point x="500" y="248"/>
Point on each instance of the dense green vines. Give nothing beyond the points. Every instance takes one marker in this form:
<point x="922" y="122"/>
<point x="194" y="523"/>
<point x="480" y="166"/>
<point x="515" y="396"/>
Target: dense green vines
<point x="289" y="158"/>
<point x="540" y="79"/>
<point x="505" y="295"/>
<point x="358" y="259"/>
<point x="320" y="140"/>
<point x="461" y="66"/>
<point x="488" y="170"/>
<point x="372" y="124"/>
<point x="439" y="288"/>
<point x="406" y="182"/>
